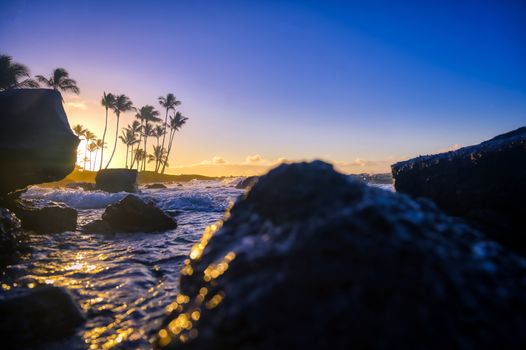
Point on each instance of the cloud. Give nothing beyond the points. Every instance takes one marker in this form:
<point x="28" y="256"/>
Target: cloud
<point x="218" y="160"/>
<point x="76" y="105"/>
<point x="256" y="158"/>
<point x="449" y="149"/>
<point x="358" y="162"/>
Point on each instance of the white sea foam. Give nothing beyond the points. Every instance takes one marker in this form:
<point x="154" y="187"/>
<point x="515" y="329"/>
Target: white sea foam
<point x="75" y="198"/>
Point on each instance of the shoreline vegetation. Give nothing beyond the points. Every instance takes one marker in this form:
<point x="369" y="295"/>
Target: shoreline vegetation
<point x="148" y="124"/>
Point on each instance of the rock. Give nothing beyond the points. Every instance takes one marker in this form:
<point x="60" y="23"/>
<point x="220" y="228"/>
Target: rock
<point x="86" y="186"/>
<point x="155" y="186"/>
<point x="484" y="184"/>
<point x="36" y="142"/>
<point x="311" y="259"/>
<point x="247" y="182"/>
<point x="33" y="316"/>
<point x="10" y="235"/>
<point x="117" y="180"/>
<point x="53" y="218"/>
<point x="131" y="214"/>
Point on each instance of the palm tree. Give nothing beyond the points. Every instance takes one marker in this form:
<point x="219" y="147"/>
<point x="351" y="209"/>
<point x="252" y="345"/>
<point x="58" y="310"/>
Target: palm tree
<point x="11" y="73"/>
<point x="59" y="81"/>
<point x="108" y="100"/>
<point x="168" y="102"/>
<point x="88" y="136"/>
<point x="128" y="138"/>
<point x="100" y="145"/>
<point x="92" y="147"/>
<point x="147" y="114"/>
<point x="79" y="131"/>
<point x="158" y="131"/>
<point x="140" y="156"/>
<point x="122" y="104"/>
<point x="135" y="128"/>
<point x="176" y="123"/>
<point x="159" y="155"/>
<point x="147" y="131"/>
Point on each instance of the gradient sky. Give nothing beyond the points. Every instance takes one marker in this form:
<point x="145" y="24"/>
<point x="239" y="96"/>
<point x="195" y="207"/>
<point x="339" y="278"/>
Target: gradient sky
<point x="360" y="85"/>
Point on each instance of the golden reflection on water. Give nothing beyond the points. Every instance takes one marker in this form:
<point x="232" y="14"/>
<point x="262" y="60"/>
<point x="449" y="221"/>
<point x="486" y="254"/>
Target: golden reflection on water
<point x="182" y="327"/>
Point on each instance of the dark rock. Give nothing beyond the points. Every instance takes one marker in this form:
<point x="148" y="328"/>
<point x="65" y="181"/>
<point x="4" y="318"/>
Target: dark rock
<point x="117" y="180"/>
<point x="33" y="316"/>
<point x="247" y="182"/>
<point x="155" y="186"/>
<point x="10" y="235"/>
<point x="53" y="218"/>
<point x="86" y="186"/>
<point x="311" y="259"/>
<point x="484" y="184"/>
<point x="131" y="214"/>
<point x="36" y="142"/>
<point x="180" y="185"/>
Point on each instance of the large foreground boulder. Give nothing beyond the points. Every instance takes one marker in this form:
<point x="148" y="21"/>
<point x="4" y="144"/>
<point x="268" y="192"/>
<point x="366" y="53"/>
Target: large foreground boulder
<point x="33" y="316"/>
<point x="36" y="142"/>
<point x="247" y="182"/>
<point x="131" y="214"/>
<point x="483" y="183"/>
<point x="311" y="259"/>
<point x="10" y="235"/>
<point x="117" y="180"/>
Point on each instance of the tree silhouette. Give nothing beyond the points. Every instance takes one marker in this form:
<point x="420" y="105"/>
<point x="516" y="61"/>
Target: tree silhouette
<point x="11" y="74"/>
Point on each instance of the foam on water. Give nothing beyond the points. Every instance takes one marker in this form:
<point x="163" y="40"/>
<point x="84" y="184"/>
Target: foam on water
<point x="75" y="198"/>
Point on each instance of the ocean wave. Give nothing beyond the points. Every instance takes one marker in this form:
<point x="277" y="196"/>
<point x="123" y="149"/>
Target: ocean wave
<point x="75" y="198"/>
<point x="193" y="202"/>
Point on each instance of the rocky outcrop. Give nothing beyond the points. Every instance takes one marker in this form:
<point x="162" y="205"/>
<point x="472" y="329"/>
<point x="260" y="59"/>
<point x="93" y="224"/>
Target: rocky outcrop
<point x="10" y="235"/>
<point x="117" y="180"/>
<point x="154" y="186"/>
<point x="484" y="184"/>
<point x="131" y="214"/>
<point x="33" y="316"/>
<point x="36" y="142"/>
<point x="311" y="259"/>
<point x="86" y="186"/>
<point x="53" y="218"/>
<point x="247" y="182"/>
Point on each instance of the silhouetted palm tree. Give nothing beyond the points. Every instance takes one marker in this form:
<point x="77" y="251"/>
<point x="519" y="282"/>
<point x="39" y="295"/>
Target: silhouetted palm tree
<point x="108" y="100"/>
<point x="59" y="81"/>
<point x="168" y="102"/>
<point x="140" y="156"/>
<point x="122" y="104"/>
<point x="176" y="123"/>
<point x="100" y="146"/>
<point x="128" y="138"/>
<point x="158" y="131"/>
<point x="88" y="136"/>
<point x="92" y="147"/>
<point x="135" y="128"/>
<point x="11" y="73"/>
<point x="79" y="131"/>
<point x="147" y="131"/>
<point x="159" y="155"/>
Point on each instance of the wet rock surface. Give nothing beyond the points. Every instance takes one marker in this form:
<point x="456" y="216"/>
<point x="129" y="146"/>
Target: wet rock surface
<point x="117" y="180"/>
<point x="155" y="186"/>
<point x="247" y="182"/>
<point x="53" y="218"/>
<point x="36" y="142"/>
<point x="34" y="316"/>
<point x="10" y="235"/>
<point x="131" y="214"/>
<point x="484" y="183"/>
<point x="313" y="259"/>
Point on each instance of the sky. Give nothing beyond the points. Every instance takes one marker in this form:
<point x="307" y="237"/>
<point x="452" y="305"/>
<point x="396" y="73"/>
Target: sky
<point x="360" y="84"/>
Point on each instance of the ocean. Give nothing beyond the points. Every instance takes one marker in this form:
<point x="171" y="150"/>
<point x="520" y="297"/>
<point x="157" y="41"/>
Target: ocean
<point x="122" y="282"/>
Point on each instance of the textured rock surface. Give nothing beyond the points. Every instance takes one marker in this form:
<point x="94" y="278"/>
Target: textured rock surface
<point x="10" y="235"/>
<point x="155" y="186"/>
<point x="117" y="180"/>
<point x="247" y="182"/>
<point x="483" y="183"/>
<point x="131" y="214"/>
<point x="311" y="259"/>
<point x="33" y="316"/>
<point x="36" y="142"/>
<point x="53" y="218"/>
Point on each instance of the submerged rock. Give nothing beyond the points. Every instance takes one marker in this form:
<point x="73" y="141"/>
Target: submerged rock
<point x="484" y="184"/>
<point x="10" y="235"/>
<point x="155" y="186"/>
<point x="36" y="142"/>
<point x="86" y="186"/>
<point x="247" y="182"/>
<point x="131" y="214"/>
<point x="117" y="180"/>
<point x="311" y="259"/>
<point x="33" y="316"/>
<point x="53" y="218"/>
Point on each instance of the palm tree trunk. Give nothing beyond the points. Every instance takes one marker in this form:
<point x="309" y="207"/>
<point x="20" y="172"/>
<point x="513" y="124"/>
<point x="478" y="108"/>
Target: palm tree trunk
<point x="103" y="138"/>
<point x="94" y="160"/>
<point x="145" y="153"/>
<point x="115" y="143"/>
<point x="164" y="134"/>
<point x="172" y="134"/>
<point x="85" y="154"/>
<point x="127" y="151"/>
